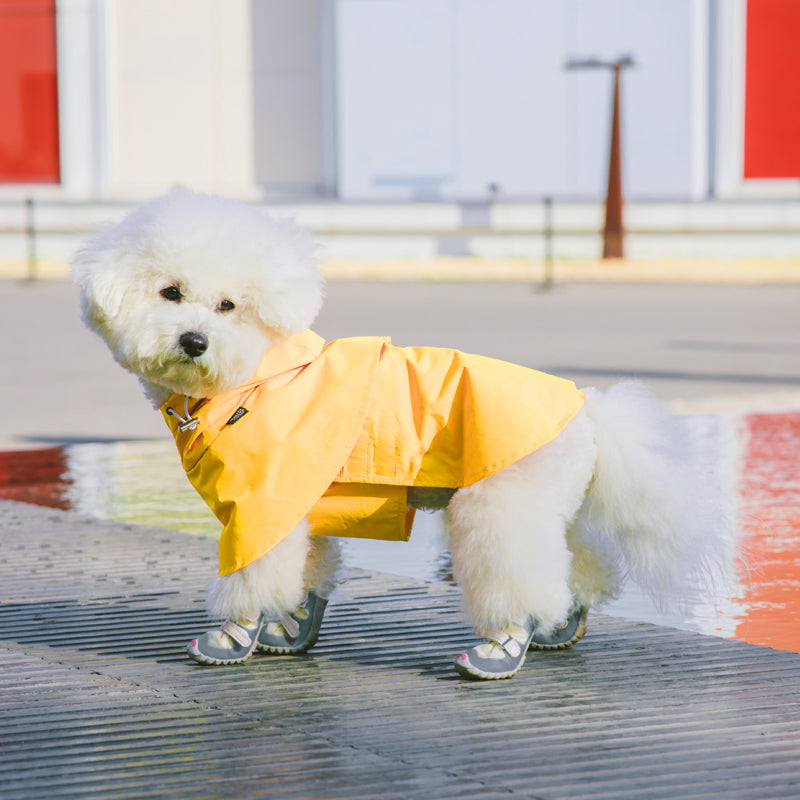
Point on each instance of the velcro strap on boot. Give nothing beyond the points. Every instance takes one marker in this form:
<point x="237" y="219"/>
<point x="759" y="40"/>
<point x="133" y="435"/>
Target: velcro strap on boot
<point x="237" y="633"/>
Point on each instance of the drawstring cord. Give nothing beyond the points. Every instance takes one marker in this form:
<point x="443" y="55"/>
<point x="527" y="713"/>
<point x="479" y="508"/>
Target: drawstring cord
<point x="188" y="423"/>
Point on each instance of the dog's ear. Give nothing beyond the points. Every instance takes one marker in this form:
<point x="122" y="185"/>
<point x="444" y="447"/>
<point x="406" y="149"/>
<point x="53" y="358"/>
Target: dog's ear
<point x="290" y="308"/>
<point x="288" y="291"/>
<point x="105" y="267"/>
<point x="96" y="273"/>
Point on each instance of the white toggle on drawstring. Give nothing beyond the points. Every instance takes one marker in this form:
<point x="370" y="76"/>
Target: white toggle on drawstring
<point x="188" y="423"/>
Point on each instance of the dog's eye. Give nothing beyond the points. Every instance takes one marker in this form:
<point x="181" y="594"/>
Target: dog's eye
<point x="226" y="305"/>
<point x="172" y="293"/>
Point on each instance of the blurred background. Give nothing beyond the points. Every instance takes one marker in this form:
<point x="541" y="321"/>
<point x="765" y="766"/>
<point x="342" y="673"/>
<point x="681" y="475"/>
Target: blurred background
<point x="408" y="128"/>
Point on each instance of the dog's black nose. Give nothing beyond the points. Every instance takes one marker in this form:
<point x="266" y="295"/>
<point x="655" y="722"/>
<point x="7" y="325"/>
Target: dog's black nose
<point x="194" y="344"/>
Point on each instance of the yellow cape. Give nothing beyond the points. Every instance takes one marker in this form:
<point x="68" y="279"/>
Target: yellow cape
<point x="339" y="431"/>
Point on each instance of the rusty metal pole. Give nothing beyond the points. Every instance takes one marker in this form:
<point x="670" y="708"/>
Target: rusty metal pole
<point x="613" y="232"/>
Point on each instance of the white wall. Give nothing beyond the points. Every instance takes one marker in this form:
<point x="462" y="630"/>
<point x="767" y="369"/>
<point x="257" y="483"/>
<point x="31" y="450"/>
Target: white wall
<point x="287" y="95"/>
<point x="182" y="91"/>
<point x="221" y="96"/>
<point x="83" y="101"/>
<point x="442" y="98"/>
<point x="400" y="99"/>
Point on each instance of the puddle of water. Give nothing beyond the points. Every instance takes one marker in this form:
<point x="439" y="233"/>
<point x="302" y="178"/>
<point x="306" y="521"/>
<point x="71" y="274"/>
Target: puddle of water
<point x="35" y="476"/>
<point x="769" y="521"/>
<point x="143" y="483"/>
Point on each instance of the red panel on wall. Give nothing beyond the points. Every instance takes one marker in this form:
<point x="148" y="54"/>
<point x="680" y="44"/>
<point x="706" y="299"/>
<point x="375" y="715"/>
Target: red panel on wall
<point x="28" y="92"/>
<point x="772" y="90"/>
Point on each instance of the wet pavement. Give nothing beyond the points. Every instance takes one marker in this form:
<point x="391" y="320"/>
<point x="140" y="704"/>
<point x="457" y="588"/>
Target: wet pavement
<point x="98" y="699"/>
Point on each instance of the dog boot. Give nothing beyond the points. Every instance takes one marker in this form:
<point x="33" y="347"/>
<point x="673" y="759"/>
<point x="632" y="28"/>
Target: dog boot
<point x="233" y="643"/>
<point x="564" y="635"/>
<point x="500" y="657"/>
<point x="297" y="632"/>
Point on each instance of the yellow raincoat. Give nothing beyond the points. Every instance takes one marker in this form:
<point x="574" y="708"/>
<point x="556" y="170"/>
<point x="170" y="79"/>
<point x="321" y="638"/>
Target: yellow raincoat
<point x="338" y="431"/>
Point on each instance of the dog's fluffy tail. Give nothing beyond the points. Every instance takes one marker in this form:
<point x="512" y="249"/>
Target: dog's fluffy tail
<point x="652" y="498"/>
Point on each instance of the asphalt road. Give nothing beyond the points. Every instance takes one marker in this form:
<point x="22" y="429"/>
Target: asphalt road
<point x="714" y="348"/>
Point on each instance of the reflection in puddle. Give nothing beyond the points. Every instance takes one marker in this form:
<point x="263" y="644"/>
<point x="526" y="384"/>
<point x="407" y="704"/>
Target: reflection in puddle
<point x="769" y="521"/>
<point x="143" y="483"/>
<point x="36" y="476"/>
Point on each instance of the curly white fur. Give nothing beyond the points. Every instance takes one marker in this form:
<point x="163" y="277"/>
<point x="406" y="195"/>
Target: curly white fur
<point x="508" y="532"/>
<point x="210" y="250"/>
<point x="274" y="582"/>
<point x="616" y="494"/>
<point x="279" y="580"/>
<point x="650" y="499"/>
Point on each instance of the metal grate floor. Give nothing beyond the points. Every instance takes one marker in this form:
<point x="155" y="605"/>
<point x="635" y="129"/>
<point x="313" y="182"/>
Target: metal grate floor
<point x="97" y="699"/>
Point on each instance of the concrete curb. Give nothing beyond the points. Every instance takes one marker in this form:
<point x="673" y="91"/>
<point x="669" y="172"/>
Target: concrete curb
<point x="589" y="271"/>
<point x="453" y="268"/>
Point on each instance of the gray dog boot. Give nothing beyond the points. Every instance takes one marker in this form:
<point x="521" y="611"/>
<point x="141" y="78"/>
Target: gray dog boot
<point x="564" y="635"/>
<point x="297" y="632"/>
<point x="501" y="656"/>
<point x="233" y="643"/>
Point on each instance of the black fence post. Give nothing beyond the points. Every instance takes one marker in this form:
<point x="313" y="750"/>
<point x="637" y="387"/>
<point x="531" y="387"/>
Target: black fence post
<point x="547" y="233"/>
<point x="31" y="237"/>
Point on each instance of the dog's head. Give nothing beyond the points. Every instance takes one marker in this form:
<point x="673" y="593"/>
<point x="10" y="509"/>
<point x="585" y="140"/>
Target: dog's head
<point x="189" y="291"/>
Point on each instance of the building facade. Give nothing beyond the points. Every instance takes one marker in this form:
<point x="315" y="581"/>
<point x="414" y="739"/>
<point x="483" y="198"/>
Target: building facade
<point x="419" y="100"/>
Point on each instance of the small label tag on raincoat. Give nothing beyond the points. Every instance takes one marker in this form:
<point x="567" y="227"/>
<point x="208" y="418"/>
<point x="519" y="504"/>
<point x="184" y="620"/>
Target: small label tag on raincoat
<point x="237" y="415"/>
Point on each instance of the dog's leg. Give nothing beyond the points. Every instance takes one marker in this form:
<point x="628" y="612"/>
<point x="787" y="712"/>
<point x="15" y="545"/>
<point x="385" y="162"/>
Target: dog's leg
<point x="273" y="585"/>
<point x="651" y="502"/>
<point x="596" y="570"/>
<point x="298" y="630"/>
<point x="508" y="541"/>
<point x="322" y="565"/>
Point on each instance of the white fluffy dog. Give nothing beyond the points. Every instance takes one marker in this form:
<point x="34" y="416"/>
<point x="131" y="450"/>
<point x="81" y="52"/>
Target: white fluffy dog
<point x="191" y="292"/>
